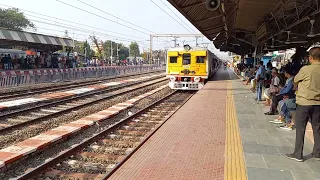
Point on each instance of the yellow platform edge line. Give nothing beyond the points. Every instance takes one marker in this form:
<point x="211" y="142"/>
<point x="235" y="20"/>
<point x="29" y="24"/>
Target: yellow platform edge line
<point x="234" y="166"/>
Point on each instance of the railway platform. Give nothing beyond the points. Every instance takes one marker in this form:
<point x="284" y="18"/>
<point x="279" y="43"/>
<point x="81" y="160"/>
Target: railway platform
<point x="220" y="133"/>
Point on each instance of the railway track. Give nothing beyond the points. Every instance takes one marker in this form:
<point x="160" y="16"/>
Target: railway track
<point x="21" y="118"/>
<point x="103" y="153"/>
<point x="33" y="91"/>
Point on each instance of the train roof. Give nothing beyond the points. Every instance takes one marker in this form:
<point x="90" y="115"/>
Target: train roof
<point x="192" y="49"/>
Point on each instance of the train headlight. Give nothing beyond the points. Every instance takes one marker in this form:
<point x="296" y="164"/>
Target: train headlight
<point x="197" y="79"/>
<point x="172" y="78"/>
<point x="186" y="47"/>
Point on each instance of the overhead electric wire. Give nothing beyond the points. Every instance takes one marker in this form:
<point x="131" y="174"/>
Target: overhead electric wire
<point x="168" y="15"/>
<point x="99" y="36"/>
<point x="177" y="16"/>
<point x="114" y="16"/>
<point x="87" y="31"/>
<point x="102" y="17"/>
<point x="105" y="31"/>
<point x="77" y="28"/>
<point x="73" y="27"/>
<point x="66" y="20"/>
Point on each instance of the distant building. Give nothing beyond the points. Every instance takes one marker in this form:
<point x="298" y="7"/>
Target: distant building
<point x="94" y="47"/>
<point x="130" y="58"/>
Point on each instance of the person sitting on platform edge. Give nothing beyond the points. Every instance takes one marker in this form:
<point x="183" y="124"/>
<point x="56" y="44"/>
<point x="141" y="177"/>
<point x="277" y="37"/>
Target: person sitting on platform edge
<point x="308" y="105"/>
<point x="286" y="106"/>
<point x="269" y="71"/>
<point x="274" y="86"/>
<point x="287" y="90"/>
<point x="249" y="75"/>
<point x="260" y="76"/>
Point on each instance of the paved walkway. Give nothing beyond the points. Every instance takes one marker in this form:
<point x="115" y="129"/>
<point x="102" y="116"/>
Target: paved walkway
<point x="265" y="145"/>
<point x="219" y="134"/>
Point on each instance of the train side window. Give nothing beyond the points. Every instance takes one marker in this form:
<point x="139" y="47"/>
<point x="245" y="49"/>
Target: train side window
<point x="186" y="59"/>
<point x="200" y="59"/>
<point x="173" y="59"/>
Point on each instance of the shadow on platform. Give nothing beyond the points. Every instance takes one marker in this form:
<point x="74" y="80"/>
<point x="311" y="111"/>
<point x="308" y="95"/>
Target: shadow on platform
<point x="223" y="75"/>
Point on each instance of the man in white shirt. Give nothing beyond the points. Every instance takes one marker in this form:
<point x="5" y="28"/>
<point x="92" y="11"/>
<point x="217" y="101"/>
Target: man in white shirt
<point x="274" y="86"/>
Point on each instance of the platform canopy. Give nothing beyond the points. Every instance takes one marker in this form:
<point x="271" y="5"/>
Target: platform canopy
<point x="246" y="26"/>
<point x="11" y="39"/>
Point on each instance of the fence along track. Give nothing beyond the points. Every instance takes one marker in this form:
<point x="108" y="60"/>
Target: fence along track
<point x="102" y="154"/>
<point x="19" y="93"/>
<point x="43" y="112"/>
<point x="18" y="78"/>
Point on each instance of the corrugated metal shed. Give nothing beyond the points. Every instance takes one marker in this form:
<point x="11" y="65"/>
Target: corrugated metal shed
<point x="27" y="37"/>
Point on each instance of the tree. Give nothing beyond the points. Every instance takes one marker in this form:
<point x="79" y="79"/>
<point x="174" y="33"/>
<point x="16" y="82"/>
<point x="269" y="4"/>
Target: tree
<point x="83" y="48"/>
<point x="107" y="49"/>
<point x="134" y="49"/>
<point x="13" y="19"/>
<point x="123" y="51"/>
<point x="87" y="49"/>
<point x="99" y="49"/>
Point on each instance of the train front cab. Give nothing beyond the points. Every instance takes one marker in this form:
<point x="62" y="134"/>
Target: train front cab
<point x="187" y="70"/>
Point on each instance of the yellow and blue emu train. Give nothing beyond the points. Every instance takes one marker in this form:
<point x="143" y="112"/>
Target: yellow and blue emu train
<point x="189" y="68"/>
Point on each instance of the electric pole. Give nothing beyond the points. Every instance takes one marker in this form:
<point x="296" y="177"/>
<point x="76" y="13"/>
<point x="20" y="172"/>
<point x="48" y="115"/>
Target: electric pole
<point x="197" y="40"/>
<point x="175" y="41"/>
<point x="85" y="53"/>
<point x="73" y="38"/>
<point x="151" y="58"/>
<point x="118" y="51"/>
<point x="111" y="53"/>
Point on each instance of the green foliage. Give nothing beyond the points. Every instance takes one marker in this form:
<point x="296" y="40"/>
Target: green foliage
<point x="123" y="50"/>
<point x="14" y="20"/>
<point x="90" y="52"/>
<point x="134" y="49"/>
<point x="107" y="49"/>
<point x="80" y="48"/>
<point x="96" y="42"/>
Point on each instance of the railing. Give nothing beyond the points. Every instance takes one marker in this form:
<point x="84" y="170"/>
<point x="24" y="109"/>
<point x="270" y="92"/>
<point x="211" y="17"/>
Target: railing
<point x="25" y="77"/>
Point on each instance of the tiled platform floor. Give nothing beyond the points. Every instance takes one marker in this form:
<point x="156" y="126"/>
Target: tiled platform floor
<point x="265" y="145"/>
<point x="190" y="145"/>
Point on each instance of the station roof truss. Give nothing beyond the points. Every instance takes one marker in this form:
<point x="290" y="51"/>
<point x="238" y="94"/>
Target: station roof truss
<point x="33" y="40"/>
<point x="247" y="26"/>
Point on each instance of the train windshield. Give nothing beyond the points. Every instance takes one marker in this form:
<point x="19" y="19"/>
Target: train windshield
<point x="200" y="59"/>
<point x="186" y="59"/>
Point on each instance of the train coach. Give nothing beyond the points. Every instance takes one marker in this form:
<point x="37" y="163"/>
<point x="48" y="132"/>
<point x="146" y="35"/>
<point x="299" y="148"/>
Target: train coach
<point x="189" y="68"/>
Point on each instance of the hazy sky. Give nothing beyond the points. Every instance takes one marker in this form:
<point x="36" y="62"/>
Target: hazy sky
<point x="143" y="13"/>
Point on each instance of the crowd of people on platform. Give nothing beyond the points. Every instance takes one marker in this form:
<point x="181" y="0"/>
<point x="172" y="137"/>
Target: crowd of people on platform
<point x="293" y="93"/>
<point x="7" y="62"/>
<point x="36" y="61"/>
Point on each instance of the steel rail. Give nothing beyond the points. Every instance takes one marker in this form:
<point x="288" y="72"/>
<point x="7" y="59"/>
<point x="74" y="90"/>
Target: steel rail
<point x="6" y="115"/>
<point x="78" y="147"/>
<point x="145" y="140"/>
<point x="28" y="92"/>
<point x="9" y="128"/>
